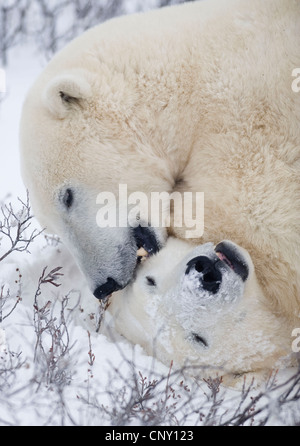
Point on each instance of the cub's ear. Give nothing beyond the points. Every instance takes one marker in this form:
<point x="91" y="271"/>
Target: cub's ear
<point x="66" y="92"/>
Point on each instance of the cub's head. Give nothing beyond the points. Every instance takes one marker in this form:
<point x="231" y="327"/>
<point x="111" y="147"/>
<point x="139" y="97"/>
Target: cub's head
<point x="201" y="306"/>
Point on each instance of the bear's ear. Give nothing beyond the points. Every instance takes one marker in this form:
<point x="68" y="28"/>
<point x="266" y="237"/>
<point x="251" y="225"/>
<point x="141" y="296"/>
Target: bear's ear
<point x="65" y="92"/>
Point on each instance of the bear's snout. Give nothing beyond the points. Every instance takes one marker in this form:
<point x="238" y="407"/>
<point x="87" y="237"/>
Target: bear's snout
<point x="145" y="238"/>
<point x="210" y="275"/>
<point x="107" y="289"/>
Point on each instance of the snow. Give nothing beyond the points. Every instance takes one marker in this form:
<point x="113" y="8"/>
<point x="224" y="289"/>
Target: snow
<point x="19" y="77"/>
<point x="94" y="381"/>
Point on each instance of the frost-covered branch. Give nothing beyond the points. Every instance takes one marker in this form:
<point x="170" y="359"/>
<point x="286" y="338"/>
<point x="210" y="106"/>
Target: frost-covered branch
<point x="14" y="227"/>
<point x="15" y="236"/>
<point x="52" y="346"/>
<point x="13" y="16"/>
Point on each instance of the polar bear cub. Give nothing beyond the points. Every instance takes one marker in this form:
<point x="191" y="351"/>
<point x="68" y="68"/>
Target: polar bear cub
<point x="202" y="307"/>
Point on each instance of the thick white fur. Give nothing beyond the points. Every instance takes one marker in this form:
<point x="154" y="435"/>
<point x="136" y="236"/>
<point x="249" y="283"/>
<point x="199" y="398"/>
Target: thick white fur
<point x="195" y="97"/>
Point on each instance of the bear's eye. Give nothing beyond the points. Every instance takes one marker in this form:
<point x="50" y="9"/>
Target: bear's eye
<point x="150" y="281"/>
<point x="199" y="339"/>
<point x="68" y="198"/>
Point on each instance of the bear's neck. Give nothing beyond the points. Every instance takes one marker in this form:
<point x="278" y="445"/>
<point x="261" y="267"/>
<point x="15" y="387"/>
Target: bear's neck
<point x="171" y="120"/>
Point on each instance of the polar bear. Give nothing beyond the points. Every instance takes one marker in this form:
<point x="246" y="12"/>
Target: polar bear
<point x="191" y="98"/>
<point x="203" y="309"/>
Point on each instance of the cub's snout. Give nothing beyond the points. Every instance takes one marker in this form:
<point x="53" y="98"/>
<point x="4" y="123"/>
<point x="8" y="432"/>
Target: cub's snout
<point x="217" y="272"/>
<point x="210" y="275"/>
<point x="230" y="254"/>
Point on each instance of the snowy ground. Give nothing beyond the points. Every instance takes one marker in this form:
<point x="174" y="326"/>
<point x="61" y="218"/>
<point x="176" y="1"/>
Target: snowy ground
<point x="54" y="368"/>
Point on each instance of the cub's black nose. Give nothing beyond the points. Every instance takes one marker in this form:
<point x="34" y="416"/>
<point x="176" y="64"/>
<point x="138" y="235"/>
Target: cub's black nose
<point x="108" y="288"/>
<point x="210" y="276"/>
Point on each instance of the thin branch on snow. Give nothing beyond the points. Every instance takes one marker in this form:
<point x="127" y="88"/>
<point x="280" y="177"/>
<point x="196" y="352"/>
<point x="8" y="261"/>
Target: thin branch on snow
<point x="14" y="227"/>
<point x="15" y="236"/>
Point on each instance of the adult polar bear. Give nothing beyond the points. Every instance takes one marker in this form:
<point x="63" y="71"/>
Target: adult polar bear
<point x="194" y="97"/>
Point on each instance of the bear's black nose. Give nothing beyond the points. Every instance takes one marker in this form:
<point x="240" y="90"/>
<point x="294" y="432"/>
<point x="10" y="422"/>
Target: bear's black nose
<point x="145" y="238"/>
<point x="210" y="276"/>
<point x="107" y="289"/>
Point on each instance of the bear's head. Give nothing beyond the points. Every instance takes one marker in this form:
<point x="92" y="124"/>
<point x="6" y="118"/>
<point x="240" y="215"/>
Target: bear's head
<point x="201" y="307"/>
<point x="77" y="142"/>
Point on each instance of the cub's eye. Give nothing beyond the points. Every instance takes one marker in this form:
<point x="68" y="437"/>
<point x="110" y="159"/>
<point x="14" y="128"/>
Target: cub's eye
<point x="150" y="281"/>
<point x="68" y="198"/>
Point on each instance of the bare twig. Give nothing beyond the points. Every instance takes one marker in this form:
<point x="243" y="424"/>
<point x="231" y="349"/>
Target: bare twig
<point x="14" y="226"/>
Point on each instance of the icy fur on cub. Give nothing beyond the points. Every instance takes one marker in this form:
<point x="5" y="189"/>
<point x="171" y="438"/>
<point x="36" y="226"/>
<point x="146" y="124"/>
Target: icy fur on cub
<point x="198" y="306"/>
